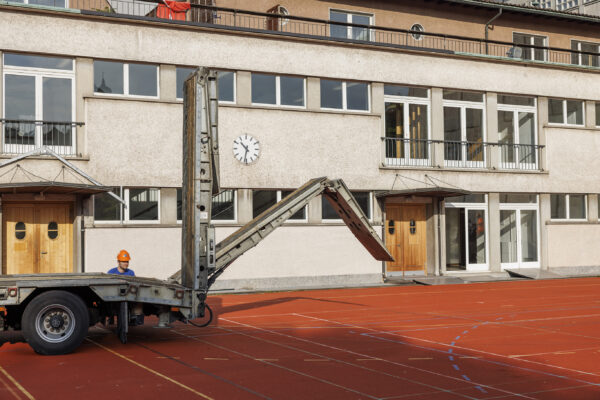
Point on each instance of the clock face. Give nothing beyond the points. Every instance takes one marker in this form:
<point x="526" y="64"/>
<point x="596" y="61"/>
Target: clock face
<point x="246" y="149"/>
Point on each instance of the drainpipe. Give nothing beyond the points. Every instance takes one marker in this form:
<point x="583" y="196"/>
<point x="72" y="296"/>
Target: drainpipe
<point x="487" y="28"/>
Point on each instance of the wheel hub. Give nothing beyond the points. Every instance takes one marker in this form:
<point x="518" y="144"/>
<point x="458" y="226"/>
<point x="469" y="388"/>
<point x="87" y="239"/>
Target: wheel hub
<point x="57" y="321"/>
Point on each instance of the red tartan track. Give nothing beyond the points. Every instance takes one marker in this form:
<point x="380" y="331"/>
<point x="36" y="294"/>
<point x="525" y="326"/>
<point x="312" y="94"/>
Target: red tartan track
<point x="502" y="340"/>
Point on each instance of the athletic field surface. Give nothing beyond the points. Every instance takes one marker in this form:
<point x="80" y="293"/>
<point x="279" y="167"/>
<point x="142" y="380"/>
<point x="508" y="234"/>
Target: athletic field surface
<point x="534" y="339"/>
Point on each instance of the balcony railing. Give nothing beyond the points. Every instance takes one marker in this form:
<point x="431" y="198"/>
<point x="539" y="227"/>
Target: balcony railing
<point x="243" y="20"/>
<point x="21" y="136"/>
<point x="401" y="152"/>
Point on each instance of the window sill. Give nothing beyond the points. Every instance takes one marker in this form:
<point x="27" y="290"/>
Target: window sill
<point x="131" y="98"/>
<point x="46" y="157"/>
<point x="475" y="170"/>
<point x="574" y="127"/>
<point x="572" y="222"/>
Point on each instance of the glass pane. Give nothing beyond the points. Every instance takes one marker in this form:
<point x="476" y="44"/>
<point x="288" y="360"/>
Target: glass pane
<point x="23" y="60"/>
<point x="555" y="111"/>
<point x="474" y="134"/>
<point x="327" y="211"/>
<point x="463" y="96"/>
<point x="597" y="113"/>
<point x="106" y="207"/>
<point x="452" y="134"/>
<point x="262" y="200"/>
<point x="143" y="80"/>
<point x="589" y="59"/>
<point x="364" y="202"/>
<point x="558" y="206"/>
<point x="574" y="112"/>
<point x="19" y="105"/>
<point x="298" y="215"/>
<point x="338" y="31"/>
<point x="179" y="204"/>
<point x="360" y="33"/>
<point x="53" y="230"/>
<point x="181" y="75"/>
<point x="263" y="89"/>
<point x="419" y="131"/>
<point x="577" y="206"/>
<point x="143" y="204"/>
<point x="20" y="230"/>
<point x="574" y="56"/>
<point x="357" y="96"/>
<point x="476" y="236"/>
<point x="527" y="151"/>
<point x="292" y="91"/>
<point x="516" y="100"/>
<point x="539" y="54"/>
<point x="51" y="3"/>
<point x="223" y="206"/>
<point x="518" y="198"/>
<point x="529" y="235"/>
<point x="108" y="77"/>
<point x="331" y="94"/>
<point x="394" y="130"/>
<point x="506" y="136"/>
<point x="508" y="236"/>
<point x="57" y="108"/>
<point x="469" y="198"/>
<point x="456" y="258"/>
<point x="226" y="89"/>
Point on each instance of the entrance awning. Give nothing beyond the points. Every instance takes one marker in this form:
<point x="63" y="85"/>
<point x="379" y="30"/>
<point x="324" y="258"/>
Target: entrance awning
<point x="433" y="191"/>
<point x="52" y="187"/>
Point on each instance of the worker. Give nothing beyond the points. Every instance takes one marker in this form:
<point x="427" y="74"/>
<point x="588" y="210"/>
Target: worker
<point x="123" y="267"/>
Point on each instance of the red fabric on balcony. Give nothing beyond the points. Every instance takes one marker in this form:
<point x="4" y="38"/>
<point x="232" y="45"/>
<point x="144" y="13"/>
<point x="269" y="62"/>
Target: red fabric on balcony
<point x="172" y="10"/>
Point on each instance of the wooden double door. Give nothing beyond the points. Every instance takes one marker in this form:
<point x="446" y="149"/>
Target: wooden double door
<point x="406" y="237"/>
<point x="37" y="238"/>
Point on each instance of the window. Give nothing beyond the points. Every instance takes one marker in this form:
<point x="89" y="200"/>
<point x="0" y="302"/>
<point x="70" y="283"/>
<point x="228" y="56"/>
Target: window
<point x="106" y="207"/>
<point x="566" y="112"/>
<point x="519" y="227"/>
<point x="530" y="53"/>
<point x="350" y="32"/>
<point x="181" y="74"/>
<point x="264" y="199"/>
<point x="341" y="95"/>
<point x="406" y="125"/>
<point x="363" y="199"/>
<point x="597" y="113"/>
<point x="225" y="79"/>
<point x="119" y="78"/>
<point x="592" y="60"/>
<point x="48" y="3"/>
<point x="416" y="28"/>
<point x="143" y="205"/>
<point x="224" y="206"/>
<point x="464" y="129"/>
<point x="278" y="90"/>
<point x="466" y="233"/>
<point x="517" y="132"/>
<point x="568" y="206"/>
<point x="38" y="103"/>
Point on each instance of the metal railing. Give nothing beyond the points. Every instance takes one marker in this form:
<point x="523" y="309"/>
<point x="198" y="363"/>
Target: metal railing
<point x="289" y="25"/>
<point x="21" y="136"/>
<point x="400" y="152"/>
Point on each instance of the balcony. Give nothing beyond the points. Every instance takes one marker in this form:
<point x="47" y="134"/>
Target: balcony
<point x="22" y="136"/>
<point x="419" y="153"/>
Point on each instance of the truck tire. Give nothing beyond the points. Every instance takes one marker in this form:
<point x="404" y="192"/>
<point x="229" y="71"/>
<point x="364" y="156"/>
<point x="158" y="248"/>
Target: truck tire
<point x="55" y="322"/>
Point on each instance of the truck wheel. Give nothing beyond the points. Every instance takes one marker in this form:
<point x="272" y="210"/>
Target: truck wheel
<point x="55" y="322"/>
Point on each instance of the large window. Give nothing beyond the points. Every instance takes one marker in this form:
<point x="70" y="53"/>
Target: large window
<point x="568" y="206"/>
<point x="464" y="129"/>
<point x="225" y="79"/>
<point x="264" y="199"/>
<point x="519" y="227"/>
<point x="466" y="233"/>
<point x="224" y="206"/>
<point x="278" y="90"/>
<point x="49" y="3"/>
<point x="143" y="206"/>
<point x="341" y="95"/>
<point x="592" y="60"/>
<point x="350" y="32"/>
<point x="517" y="132"/>
<point x="129" y="79"/>
<point x="38" y="103"/>
<point x="406" y="126"/>
<point x="364" y="200"/>
<point x="566" y="112"/>
<point x="530" y="53"/>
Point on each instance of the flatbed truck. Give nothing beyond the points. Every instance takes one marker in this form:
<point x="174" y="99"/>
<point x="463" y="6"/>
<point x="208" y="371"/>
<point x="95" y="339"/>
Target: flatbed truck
<point x="54" y="311"/>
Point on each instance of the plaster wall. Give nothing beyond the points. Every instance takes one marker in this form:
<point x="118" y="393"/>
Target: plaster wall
<point x="573" y="245"/>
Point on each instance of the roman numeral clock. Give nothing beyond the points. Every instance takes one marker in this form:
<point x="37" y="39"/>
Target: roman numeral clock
<point x="246" y="149"/>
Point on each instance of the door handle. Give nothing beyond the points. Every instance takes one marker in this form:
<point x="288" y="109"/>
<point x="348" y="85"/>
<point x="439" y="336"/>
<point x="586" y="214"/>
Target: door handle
<point x="44" y="252"/>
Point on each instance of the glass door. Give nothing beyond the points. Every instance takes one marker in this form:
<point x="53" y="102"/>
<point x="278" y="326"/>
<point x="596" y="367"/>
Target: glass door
<point x="519" y="247"/>
<point x="466" y="234"/>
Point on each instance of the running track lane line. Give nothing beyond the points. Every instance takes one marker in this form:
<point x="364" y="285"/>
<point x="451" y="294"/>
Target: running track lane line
<point x="369" y="369"/>
<point x="181" y="385"/>
<point x="17" y="384"/>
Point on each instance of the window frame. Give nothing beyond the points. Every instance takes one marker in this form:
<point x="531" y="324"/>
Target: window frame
<point x="531" y="37"/>
<point x="568" y="207"/>
<point x="125" y="213"/>
<point x="462" y="105"/>
<point x="339" y="220"/>
<point x="564" y="112"/>
<point x="518" y="208"/>
<point x="597" y="111"/>
<point x="345" y="97"/>
<point x="349" y="15"/>
<point x="579" y="55"/>
<point x="125" y="93"/>
<point x="278" y="198"/>
<point x="66" y="4"/>
<point x="218" y="221"/>
<point x="115" y="221"/>
<point x="278" y="92"/>
<point x="516" y="109"/>
<point x="220" y="101"/>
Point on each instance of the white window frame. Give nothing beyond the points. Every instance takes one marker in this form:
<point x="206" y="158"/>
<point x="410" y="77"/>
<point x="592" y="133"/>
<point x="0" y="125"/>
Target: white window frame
<point x="564" y="113"/>
<point x="532" y="36"/>
<point x="27" y="2"/>
<point x="125" y="213"/>
<point x="339" y="220"/>
<point x="516" y="109"/>
<point x="39" y="74"/>
<point x="463" y="105"/>
<point x="406" y="101"/>
<point x="278" y="92"/>
<point x="126" y="82"/>
<point x="220" y="101"/>
<point x="289" y="220"/>
<point x="518" y="207"/>
<point x="349" y="15"/>
<point x="579" y="43"/>
<point x="222" y="221"/>
<point x="568" y="207"/>
<point x="345" y="98"/>
<point x="469" y="268"/>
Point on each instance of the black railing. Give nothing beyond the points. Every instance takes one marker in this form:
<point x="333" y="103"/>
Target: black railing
<point x="21" y="136"/>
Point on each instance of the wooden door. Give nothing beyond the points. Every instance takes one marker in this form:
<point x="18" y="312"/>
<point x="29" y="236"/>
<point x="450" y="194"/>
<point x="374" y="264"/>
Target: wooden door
<point x="406" y="237"/>
<point x="38" y="238"/>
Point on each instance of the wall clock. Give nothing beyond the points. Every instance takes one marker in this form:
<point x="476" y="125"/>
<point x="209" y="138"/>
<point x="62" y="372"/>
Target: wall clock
<point x="246" y="149"/>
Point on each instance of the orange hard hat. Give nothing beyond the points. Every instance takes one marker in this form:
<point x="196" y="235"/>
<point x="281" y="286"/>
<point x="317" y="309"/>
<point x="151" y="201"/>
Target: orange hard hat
<point x="123" y="256"/>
